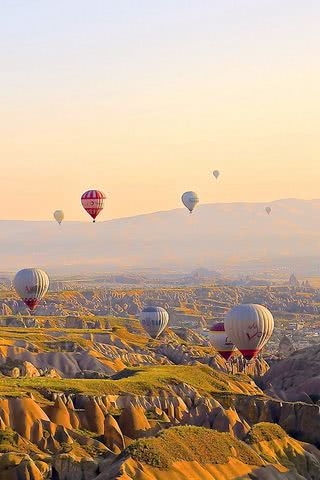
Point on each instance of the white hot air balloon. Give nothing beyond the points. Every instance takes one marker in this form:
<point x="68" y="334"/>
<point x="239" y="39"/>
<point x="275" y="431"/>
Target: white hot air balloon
<point x="154" y="320"/>
<point x="268" y="210"/>
<point x="190" y="200"/>
<point x="220" y="341"/>
<point x="31" y="284"/>
<point x="216" y="174"/>
<point x="249" y="327"/>
<point x="59" y="216"/>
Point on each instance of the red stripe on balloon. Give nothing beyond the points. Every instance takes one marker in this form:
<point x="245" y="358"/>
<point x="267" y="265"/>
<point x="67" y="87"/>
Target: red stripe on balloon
<point x="226" y="354"/>
<point x="249" y="354"/>
<point x="31" y="303"/>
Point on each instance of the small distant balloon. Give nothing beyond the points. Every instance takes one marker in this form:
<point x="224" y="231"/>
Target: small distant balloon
<point x="59" y="216"/>
<point x="154" y="320"/>
<point x="190" y="200"/>
<point x="216" y="174"/>
<point x="268" y="210"/>
<point x="93" y="202"/>
<point x="31" y="284"/>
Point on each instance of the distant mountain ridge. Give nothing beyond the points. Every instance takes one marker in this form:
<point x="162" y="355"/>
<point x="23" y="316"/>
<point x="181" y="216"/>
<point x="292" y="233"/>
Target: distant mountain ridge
<point x="215" y="234"/>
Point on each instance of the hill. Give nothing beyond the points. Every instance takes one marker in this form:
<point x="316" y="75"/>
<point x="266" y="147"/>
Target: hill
<point x="216" y="234"/>
<point x="199" y="453"/>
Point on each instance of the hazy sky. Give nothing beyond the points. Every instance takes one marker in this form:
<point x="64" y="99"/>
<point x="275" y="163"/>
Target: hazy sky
<point x="143" y="99"/>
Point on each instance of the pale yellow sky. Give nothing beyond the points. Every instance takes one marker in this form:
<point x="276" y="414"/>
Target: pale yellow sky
<point x="148" y="108"/>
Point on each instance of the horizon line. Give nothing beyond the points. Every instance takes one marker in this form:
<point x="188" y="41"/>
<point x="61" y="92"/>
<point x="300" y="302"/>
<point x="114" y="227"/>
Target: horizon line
<point x="265" y="203"/>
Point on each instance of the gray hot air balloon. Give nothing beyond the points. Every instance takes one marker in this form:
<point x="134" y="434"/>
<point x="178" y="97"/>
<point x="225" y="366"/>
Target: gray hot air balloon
<point x="58" y="216"/>
<point x="154" y="320"/>
<point x="216" y="174"/>
<point x="268" y="210"/>
<point x="190" y="200"/>
<point x="31" y="284"/>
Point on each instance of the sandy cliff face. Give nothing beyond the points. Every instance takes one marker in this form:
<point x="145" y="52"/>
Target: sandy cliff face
<point x="296" y="378"/>
<point x="97" y="437"/>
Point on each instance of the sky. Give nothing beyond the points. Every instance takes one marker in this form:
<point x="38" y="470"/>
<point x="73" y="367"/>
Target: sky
<point x="144" y="99"/>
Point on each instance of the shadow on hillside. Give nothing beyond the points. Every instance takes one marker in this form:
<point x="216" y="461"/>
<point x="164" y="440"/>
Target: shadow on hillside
<point x="125" y="374"/>
<point x="270" y="472"/>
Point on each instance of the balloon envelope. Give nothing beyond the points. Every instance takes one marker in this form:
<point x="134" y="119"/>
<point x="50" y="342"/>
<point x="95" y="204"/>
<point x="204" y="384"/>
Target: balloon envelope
<point x="31" y="284"/>
<point x="190" y="200"/>
<point x="59" y="216"/>
<point x="268" y="210"/>
<point x="249" y="326"/>
<point x="216" y="173"/>
<point x="220" y="340"/>
<point x="154" y="320"/>
<point x="93" y="202"/>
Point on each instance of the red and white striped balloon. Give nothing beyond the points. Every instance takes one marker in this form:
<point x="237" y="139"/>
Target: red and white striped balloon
<point x="93" y="202"/>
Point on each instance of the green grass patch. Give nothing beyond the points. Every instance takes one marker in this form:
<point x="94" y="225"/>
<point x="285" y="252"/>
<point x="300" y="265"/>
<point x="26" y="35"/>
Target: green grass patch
<point x="139" y="381"/>
<point x="191" y="444"/>
<point x="265" y="432"/>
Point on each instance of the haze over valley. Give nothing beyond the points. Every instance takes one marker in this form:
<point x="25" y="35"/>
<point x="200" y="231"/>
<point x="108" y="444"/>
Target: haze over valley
<point x="234" y="236"/>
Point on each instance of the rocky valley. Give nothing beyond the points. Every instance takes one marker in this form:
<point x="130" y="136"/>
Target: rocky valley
<point x="93" y="398"/>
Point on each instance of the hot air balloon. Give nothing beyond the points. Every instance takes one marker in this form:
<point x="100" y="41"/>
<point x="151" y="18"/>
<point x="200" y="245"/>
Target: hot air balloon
<point x="268" y="210"/>
<point x="190" y="200"/>
<point x="59" y="216"/>
<point x="154" y="320"/>
<point x="249" y="326"/>
<point x="216" y="174"/>
<point x="93" y="202"/>
<point x="220" y="341"/>
<point x="31" y="284"/>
